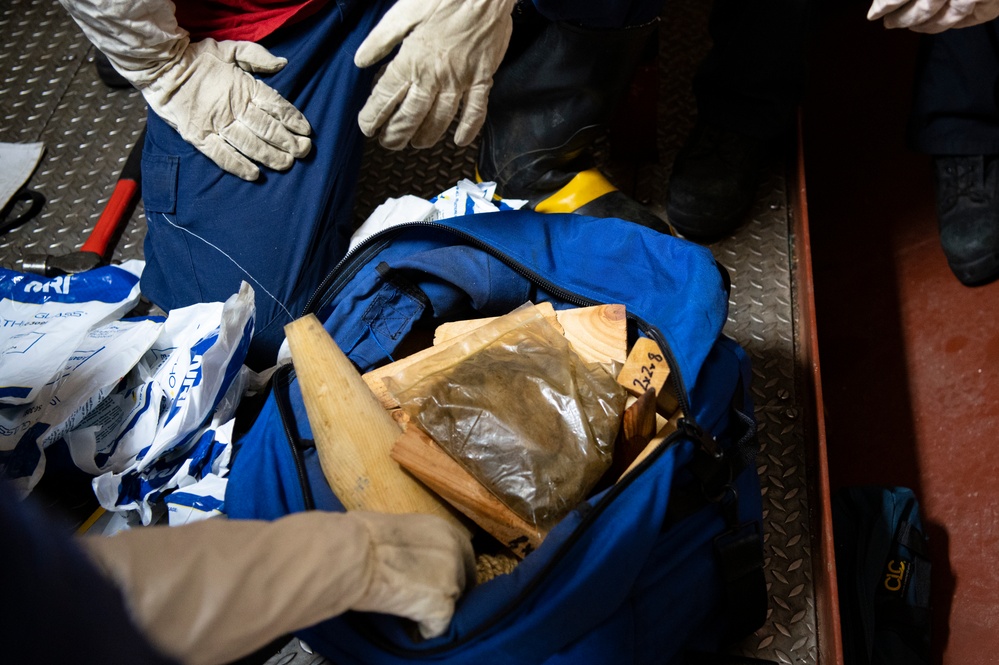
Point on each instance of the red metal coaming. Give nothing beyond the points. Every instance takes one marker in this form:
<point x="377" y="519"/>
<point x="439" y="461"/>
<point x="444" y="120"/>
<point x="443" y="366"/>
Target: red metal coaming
<point x="830" y="643"/>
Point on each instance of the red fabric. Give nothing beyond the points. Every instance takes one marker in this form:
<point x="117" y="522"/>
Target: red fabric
<point x="249" y="20"/>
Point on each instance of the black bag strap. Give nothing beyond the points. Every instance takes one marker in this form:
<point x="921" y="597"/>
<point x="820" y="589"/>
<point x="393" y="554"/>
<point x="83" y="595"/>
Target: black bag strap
<point x="281" y="382"/>
<point x="739" y="552"/>
<point x="739" y="548"/>
<point x="908" y="535"/>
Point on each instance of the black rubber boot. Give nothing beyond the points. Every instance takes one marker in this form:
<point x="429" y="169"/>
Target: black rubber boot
<point x="967" y="193"/>
<point x="551" y="99"/>
<point x="714" y="182"/>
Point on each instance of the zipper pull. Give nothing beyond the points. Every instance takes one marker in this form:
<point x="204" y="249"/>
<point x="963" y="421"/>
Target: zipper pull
<point x="708" y="443"/>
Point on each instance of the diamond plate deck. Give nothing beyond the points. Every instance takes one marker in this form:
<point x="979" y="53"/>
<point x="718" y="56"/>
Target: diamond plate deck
<point x="50" y="92"/>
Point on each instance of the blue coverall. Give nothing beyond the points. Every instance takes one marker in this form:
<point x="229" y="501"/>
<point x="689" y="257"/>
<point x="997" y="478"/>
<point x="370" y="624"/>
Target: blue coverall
<point x="209" y="230"/>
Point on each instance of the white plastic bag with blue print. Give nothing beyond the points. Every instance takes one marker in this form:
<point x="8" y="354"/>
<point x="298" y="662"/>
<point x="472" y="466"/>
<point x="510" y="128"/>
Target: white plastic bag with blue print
<point x="43" y="320"/>
<point x="464" y="198"/>
<point x="184" y="481"/>
<point x="203" y="500"/>
<point x="88" y="376"/>
<point x="192" y="377"/>
<point x="201" y="481"/>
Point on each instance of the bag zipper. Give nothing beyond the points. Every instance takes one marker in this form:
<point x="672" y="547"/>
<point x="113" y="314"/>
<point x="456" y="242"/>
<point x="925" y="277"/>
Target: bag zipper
<point x="587" y="520"/>
<point x="344" y="271"/>
<point x="687" y="429"/>
<point x="339" y="275"/>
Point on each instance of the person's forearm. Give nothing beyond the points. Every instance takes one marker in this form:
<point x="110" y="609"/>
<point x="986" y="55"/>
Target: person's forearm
<point x="140" y="37"/>
<point x="217" y="590"/>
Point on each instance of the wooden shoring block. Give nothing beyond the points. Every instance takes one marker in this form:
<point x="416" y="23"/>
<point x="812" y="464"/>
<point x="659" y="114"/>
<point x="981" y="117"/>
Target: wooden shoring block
<point x="375" y="378"/>
<point x="448" y="331"/>
<point x="646" y="368"/>
<point x="419" y="454"/>
<point x="597" y="334"/>
<point x="639" y="424"/>
<point x="661" y="435"/>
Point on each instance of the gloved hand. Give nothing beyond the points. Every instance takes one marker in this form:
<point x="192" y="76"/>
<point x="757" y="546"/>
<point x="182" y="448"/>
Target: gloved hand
<point x="210" y="97"/>
<point x="450" y="51"/>
<point x="214" y="591"/>
<point x="205" y="90"/>
<point x="933" y="16"/>
<point x="417" y="569"/>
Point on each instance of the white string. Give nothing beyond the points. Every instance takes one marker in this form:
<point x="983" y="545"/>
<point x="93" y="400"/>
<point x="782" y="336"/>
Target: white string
<point x="234" y="262"/>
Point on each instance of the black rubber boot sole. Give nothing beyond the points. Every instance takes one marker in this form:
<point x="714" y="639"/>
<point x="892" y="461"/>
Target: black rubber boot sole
<point x="702" y="229"/>
<point x="978" y="272"/>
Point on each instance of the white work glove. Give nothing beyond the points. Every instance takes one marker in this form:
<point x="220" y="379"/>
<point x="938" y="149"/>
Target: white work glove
<point x="933" y="16"/>
<point x="418" y="567"/>
<point x="214" y="591"/>
<point x="210" y="97"/>
<point x="205" y="90"/>
<point x="450" y="51"/>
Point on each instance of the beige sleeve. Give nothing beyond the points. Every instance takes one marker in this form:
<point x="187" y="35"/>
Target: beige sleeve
<point x="141" y="38"/>
<point x="214" y="591"/>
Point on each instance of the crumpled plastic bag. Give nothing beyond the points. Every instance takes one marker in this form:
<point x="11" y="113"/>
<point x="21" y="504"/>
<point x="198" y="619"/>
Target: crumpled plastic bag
<point x="89" y="375"/>
<point x="464" y="198"/>
<point x="137" y="404"/>
<point x="43" y="320"/>
<point x="143" y="436"/>
<point x="515" y="406"/>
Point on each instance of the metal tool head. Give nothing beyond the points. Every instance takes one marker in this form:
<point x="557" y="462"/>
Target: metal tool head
<point x="51" y="266"/>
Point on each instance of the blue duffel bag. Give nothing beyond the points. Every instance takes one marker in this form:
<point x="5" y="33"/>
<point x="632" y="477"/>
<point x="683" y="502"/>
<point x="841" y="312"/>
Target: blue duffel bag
<point x="665" y="562"/>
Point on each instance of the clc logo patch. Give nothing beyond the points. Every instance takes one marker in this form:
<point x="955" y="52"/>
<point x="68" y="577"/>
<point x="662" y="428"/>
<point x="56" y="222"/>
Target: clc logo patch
<point x="896" y="577"/>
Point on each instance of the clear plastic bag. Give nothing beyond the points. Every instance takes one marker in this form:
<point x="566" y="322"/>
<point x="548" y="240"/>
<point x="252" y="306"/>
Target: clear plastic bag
<point x="516" y="406"/>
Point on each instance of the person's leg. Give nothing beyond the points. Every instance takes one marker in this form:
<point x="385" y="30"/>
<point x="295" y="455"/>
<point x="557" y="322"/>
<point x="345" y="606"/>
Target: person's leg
<point x="753" y="77"/>
<point x="208" y="230"/>
<point x="955" y="118"/>
<point x="955" y="110"/>
<point x="568" y="65"/>
<point x="747" y="90"/>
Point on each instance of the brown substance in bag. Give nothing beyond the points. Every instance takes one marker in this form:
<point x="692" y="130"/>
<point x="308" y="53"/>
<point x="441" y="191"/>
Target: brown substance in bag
<point x="526" y="417"/>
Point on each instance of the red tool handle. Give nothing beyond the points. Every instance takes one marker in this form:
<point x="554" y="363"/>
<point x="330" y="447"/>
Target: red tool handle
<point x="119" y="206"/>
